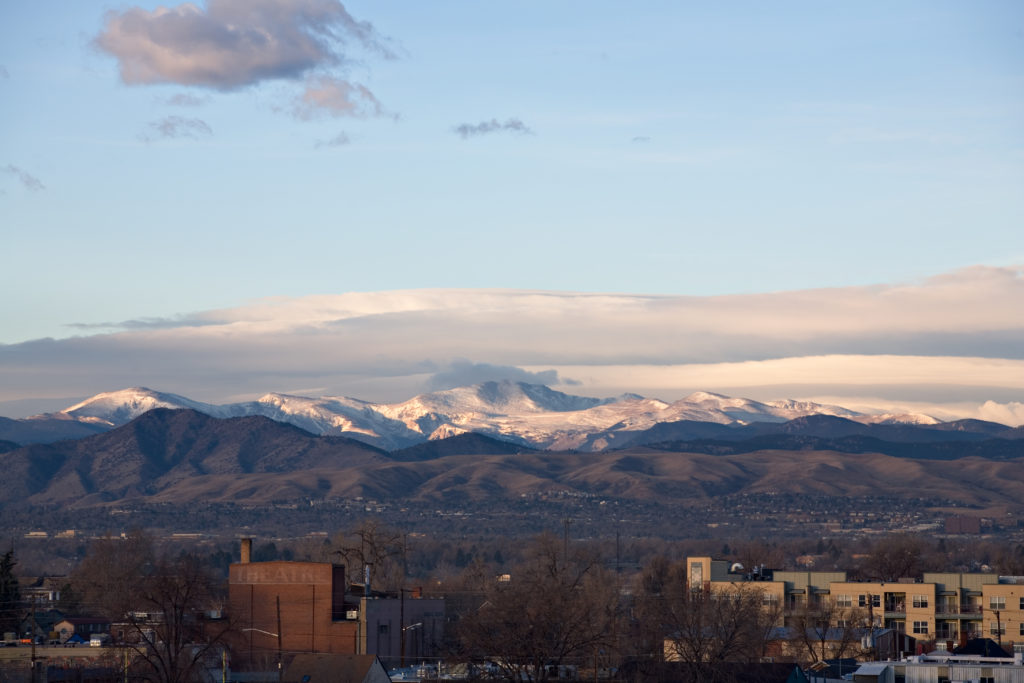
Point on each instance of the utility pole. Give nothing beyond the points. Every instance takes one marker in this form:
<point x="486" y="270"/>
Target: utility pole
<point x="999" y="629"/>
<point x="280" y="664"/>
<point x="401" y="624"/>
<point x="565" y="540"/>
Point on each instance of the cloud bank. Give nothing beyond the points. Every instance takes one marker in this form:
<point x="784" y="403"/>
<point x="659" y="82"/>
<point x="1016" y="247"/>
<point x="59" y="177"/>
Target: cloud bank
<point x="956" y="339"/>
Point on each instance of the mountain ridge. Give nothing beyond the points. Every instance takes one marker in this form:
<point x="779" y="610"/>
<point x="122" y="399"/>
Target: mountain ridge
<point x="182" y="456"/>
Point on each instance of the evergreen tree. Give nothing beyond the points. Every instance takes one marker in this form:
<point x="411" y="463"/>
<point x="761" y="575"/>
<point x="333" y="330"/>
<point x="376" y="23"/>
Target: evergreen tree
<point x="10" y="594"/>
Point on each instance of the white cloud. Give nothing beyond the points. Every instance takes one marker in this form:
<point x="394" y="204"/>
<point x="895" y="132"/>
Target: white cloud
<point x="336" y="97"/>
<point x="232" y="43"/>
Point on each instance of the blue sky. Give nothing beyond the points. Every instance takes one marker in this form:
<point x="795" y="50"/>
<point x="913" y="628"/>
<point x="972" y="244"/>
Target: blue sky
<point x="663" y="148"/>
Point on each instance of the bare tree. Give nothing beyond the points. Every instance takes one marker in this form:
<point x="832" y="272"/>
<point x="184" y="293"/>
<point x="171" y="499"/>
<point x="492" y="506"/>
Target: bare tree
<point x="107" y="579"/>
<point x="168" y="630"/>
<point x="377" y="547"/>
<point x="894" y="557"/>
<point x="709" y="628"/>
<point x="558" y="609"/>
<point x="158" y="606"/>
<point x="826" y="630"/>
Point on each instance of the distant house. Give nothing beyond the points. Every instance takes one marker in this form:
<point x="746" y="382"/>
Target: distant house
<point x="308" y="668"/>
<point x="41" y="623"/>
<point x="81" y="626"/>
<point x="45" y="591"/>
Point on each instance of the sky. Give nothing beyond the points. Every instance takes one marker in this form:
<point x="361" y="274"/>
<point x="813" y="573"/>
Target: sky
<point x="792" y="199"/>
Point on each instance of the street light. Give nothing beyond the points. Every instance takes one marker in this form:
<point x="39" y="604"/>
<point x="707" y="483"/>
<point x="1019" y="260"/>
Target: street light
<point x="404" y="629"/>
<point x="280" y="666"/>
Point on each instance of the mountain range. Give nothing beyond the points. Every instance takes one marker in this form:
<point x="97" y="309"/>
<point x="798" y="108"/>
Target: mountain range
<point x="531" y="415"/>
<point x="183" y="457"/>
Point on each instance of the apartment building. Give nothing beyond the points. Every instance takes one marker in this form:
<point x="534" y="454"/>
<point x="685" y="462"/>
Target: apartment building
<point x="935" y="606"/>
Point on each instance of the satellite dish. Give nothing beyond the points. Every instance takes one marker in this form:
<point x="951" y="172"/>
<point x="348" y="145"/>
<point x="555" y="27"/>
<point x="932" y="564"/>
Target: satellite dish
<point x="736" y="568"/>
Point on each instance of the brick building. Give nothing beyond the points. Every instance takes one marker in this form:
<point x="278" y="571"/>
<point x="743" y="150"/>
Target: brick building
<point x="318" y="616"/>
<point x="304" y="602"/>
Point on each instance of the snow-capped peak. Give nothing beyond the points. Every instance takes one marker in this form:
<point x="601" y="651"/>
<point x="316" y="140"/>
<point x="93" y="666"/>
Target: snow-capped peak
<point x="119" y="407"/>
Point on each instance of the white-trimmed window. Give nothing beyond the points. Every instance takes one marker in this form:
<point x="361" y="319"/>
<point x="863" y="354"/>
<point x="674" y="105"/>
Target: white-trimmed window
<point x="996" y="602"/>
<point x="844" y="601"/>
<point x="996" y="629"/>
<point x="920" y="601"/>
<point x="1022" y="628"/>
<point x="1021" y="603"/>
<point x="769" y="599"/>
<point x="920" y="627"/>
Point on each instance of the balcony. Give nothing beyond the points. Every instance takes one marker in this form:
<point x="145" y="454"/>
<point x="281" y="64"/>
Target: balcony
<point x="895" y="610"/>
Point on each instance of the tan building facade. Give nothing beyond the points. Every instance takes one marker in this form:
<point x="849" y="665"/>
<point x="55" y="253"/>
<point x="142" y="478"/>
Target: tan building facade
<point x="934" y="606"/>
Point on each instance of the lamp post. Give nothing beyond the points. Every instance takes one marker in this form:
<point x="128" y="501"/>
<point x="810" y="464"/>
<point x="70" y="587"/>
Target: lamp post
<point x="404" y="629"/>
<point x="280" y="669"/>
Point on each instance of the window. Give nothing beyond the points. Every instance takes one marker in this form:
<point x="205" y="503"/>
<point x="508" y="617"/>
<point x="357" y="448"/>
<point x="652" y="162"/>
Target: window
<point x="863" y="600"/>
<point x="769" y="599"/>
<point x="996" y="629"/>
<point x="920" y="627"/>
<point x="1021" y="603"/>
<point x="996" y="602"/>
<point x="1022" y="628"/>
<point x="842" y="623"/>
<point x="843" y="601"/>
<point x="920" y="601"/>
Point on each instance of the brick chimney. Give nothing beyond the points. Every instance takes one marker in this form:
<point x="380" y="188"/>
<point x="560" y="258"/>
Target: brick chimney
<point x="246" y="551"/>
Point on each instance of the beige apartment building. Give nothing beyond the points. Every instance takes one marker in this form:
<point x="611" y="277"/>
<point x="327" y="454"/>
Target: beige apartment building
<point x="935" y="606"/>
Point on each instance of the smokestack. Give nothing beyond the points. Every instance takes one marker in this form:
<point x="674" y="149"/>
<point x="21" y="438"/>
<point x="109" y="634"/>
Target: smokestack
<point x="246" y="550"/>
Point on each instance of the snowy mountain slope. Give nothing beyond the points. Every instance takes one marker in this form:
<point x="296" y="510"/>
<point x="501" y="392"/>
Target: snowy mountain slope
<point x="530" y="414"/>
<point x="116" y="408"/>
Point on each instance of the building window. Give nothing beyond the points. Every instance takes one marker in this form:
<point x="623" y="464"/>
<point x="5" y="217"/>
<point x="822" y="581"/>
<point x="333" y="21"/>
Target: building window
<point x="843" y="601"/>
<point x="996" y="602"/>
<point x="920" y="627"/>
<point x="1022" y="628"/>
<point x="842" y="623"/>
<point x="874" y="600"/>
<point x="920" y="601"/>
<point x="769" y="599"/>
<point x="1021" y="603"/>
<point x="996" y="629"/>
<point x="696" y="575"/>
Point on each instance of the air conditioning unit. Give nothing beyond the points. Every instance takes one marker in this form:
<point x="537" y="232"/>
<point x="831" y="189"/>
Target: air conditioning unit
<point x="352" y="614"/>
